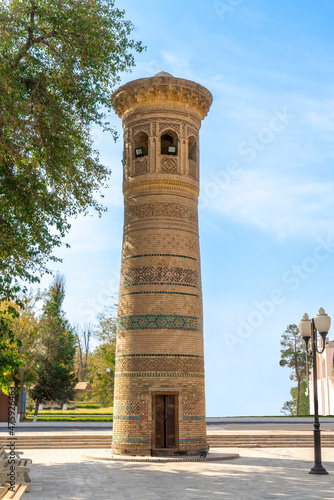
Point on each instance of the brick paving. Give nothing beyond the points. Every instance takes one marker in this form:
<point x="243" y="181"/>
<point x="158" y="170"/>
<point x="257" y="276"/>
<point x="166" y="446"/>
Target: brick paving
<point x="258" y="474"/>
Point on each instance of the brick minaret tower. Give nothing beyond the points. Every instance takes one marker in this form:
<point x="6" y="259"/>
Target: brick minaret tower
<point x="159" y="395"/>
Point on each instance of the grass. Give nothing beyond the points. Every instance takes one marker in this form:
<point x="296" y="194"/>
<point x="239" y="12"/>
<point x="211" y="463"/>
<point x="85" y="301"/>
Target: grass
<point x="79" y="415"/>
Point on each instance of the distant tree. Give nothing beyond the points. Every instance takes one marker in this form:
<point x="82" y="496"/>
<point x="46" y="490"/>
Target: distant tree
<point x="304" y="400"/>
<point x="55" y="379"/>
<point x="84" y="337"/>
<point x="102" y="357"/>
<point x="293" y="356"/>
<point x="60" y="61"/>
<point x="288" y="408"/>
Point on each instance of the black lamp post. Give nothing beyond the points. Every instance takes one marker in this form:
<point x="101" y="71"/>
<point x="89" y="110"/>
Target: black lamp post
<point x="308" y="330"/>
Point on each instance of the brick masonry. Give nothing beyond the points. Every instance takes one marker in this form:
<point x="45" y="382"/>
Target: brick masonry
<point x="160" y="326"/>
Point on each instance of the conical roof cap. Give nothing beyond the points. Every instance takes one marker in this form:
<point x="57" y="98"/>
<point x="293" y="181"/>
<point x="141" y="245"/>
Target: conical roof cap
<point x="163" y="73"/>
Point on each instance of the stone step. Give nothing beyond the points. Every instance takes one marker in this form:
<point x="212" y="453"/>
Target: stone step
<point x="215" y="441"/>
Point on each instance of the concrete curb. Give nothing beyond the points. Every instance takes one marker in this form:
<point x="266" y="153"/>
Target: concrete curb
<point x="212" y="457"/>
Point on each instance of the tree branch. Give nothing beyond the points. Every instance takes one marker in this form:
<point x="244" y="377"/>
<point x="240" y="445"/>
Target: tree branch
<point x="31" y="40"/>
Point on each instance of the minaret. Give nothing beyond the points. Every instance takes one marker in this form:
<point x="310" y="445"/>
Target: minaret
<point x="159" y="404"/>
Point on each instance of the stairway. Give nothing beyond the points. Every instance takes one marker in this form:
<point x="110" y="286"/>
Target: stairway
<point x="40" y="441"/>
<point x="267" y="440"/>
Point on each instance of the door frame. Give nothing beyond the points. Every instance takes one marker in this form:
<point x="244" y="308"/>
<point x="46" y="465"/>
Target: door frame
<point x="166" y="393"/>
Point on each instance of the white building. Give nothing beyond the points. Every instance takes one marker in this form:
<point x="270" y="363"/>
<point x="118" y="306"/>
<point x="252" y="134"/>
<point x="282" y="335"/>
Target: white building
<point x="325" y="375"/>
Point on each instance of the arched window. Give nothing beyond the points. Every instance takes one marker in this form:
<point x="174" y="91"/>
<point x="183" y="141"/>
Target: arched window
<point x="192" y="148"/>
<point x="169" y="143"/>
<point x="140" y="144"/>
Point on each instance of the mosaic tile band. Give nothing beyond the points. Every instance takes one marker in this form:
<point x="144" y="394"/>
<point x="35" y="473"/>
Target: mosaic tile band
<point x="155" y="355"/>
<point x="151" y="374"/>
<point x="130" y="408"/>
<point x="147" y="274"/>
<point x="190" y="419"/>
<point x="160" y="364"/>
<point x="191" y="440"/>
<point x="160" y="255"/>
<point x="157" y="293"/>
<point x="162" y="283"/>
<point x="159" y="321"/>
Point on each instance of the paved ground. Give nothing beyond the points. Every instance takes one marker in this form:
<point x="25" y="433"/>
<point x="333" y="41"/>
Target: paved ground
<point x="214" y="425"/>
<point x="258" y="474"/>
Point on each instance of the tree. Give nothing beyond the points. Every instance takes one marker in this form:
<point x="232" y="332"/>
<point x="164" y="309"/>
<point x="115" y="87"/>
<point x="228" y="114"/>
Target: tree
<point x="294" y="356"/>
<point x="84" y="337"/>
<point x="304" y="401"/>
<point x="9" y="344"/>
<point x="59" y="63"/>
<point x="102" y="357"/>
<point x="25" y="328"/>
<point x="55" y="372"/>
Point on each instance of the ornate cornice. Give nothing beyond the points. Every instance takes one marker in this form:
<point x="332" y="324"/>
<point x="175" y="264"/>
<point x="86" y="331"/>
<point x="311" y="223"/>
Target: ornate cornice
<point x="156" y="184"/>
<point x="159" y="91"/>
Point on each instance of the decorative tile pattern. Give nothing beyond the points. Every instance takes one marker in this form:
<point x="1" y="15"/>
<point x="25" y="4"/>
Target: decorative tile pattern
<point x="130" y="408"/>
<point x="164" y="355"/>
<point x="141" y="166"/>
<point x="160" y="255"/>
<point x="191" y="419"/>
<point x="169" y="165"/>
<point x="164" y="292"/>
<point x="162" y="283"/>
<point x="150" y="274"/>
<point x="191" y="408"/>
<point x="163" y="375"/>
<point x="123" y="417"/>
<point x="192" y="131"/>
<point x="141" y="126"/>
<point x="165" y="364"/>
<point x="170" y="126"/>
<point x="192" y="170"/>
<point x="138" y="211"/>
<point x="192" y="440"/>
<point x="159" y="321"/>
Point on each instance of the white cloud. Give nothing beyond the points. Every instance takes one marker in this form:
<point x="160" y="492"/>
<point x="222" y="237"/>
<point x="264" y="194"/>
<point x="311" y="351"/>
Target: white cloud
<point x="280" y="205"/>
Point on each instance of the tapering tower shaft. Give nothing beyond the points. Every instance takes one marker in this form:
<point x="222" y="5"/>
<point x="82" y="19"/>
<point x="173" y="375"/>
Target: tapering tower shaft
<point x="159" y="394"/>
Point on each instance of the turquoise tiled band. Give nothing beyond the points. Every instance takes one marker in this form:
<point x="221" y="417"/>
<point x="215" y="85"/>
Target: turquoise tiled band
<point x="159" y="321"/>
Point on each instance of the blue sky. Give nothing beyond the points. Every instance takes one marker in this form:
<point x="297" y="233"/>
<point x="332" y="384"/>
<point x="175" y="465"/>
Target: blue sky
<point x="266" y="205"/>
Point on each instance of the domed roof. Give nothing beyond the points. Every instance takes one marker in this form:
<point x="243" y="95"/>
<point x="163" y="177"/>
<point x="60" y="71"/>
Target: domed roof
<point x="163" y="73"/>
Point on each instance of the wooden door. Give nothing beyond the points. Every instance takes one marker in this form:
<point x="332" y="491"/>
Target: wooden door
<point x="165" y="420"/>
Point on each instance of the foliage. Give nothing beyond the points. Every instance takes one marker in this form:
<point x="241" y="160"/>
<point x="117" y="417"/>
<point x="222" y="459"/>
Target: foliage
<point x="25" y="328"/>
<point x="9" y="344"/>
<point x="101" y="358"/>
<point x="288" y="408"/>
<point x="304" y="403"/>
<point x="59" y="63"/>
<point x="294" y="356"/>
<point x="55" y="372"/>
<point x="93" y="406"/>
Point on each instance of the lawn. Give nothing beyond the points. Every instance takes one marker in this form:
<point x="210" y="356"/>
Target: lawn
<point x="78" y="415"/>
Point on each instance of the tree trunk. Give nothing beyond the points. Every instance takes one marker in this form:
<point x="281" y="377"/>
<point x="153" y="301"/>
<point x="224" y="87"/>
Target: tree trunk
<point x="298" y="397"/>
<point x="19" y="404"/>
<point x="37" y="403"/>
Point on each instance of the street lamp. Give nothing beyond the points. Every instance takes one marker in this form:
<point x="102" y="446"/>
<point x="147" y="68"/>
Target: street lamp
<point x="308" y="329"/>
